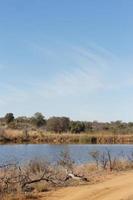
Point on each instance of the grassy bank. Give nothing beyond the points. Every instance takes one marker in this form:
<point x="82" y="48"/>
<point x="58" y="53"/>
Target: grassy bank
<point x="28" y="181"/>
<point x="19" y="136"/>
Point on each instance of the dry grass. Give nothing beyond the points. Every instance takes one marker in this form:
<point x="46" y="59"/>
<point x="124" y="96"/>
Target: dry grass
<point x="39" y="136"/>
<point x="35" y="169"/>
<point x="20" y="196"/>
<point x="42" y="187"/>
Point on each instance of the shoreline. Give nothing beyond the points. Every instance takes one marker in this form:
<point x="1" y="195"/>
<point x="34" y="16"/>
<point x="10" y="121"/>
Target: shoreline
<point x="60" y="180"/>
<point x="11" y="136"/>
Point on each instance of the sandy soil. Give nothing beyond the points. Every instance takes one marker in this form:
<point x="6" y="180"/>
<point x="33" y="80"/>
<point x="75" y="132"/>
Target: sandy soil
<point x="117" y="188"/>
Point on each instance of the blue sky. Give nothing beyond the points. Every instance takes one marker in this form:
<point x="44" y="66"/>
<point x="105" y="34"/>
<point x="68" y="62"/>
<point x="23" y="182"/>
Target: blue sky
<point x="67" y="58"/>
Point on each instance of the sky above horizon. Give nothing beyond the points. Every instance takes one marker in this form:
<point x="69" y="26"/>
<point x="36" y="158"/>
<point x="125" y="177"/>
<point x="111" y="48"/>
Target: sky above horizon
<point x="67" y="58"/>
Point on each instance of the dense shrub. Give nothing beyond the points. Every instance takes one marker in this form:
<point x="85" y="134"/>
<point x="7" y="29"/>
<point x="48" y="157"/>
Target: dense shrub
<point x="77" y="127"/>
<point x="58" y="124"/>
<point x="9" y="117"/>
<point x="38" y="120"/>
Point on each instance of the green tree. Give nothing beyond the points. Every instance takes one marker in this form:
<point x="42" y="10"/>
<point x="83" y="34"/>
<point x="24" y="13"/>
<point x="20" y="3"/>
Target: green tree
<point x="58" y="124"/>
<point x="77" y="126"/>
<point x="9" y="117"/>
<point x="38" y="119"/>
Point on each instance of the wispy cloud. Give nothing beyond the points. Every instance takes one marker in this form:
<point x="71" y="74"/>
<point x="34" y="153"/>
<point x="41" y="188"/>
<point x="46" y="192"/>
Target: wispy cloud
<point x="93" y="71"/>
<point x="84" y="77"/>
<point x="75" y="83"/>
<point x="87" y="75"/>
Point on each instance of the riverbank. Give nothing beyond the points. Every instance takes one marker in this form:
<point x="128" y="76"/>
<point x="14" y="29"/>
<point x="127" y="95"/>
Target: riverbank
<point x="42" y="180"/>
<point x="115" y="187"/>
<point x="39" y="137"/>
<point x="103" y="186"/>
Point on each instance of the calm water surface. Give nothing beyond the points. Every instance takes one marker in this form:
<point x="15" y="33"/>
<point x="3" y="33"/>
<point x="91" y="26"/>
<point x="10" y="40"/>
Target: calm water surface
<point x="80" y="153"/>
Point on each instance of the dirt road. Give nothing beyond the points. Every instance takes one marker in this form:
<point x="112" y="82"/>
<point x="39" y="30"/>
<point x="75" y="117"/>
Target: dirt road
<point x="117" y="188"/>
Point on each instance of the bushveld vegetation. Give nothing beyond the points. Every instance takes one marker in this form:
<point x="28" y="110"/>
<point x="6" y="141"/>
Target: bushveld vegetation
<point x="27" y="181"/>
<point x="37" y="129"/>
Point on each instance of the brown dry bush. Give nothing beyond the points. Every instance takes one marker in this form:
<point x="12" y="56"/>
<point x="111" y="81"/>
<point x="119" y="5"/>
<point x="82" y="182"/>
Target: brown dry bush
<point x="42" y="176"/>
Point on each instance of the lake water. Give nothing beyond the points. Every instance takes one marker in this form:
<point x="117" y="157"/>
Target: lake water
<point x="80" y="153"/>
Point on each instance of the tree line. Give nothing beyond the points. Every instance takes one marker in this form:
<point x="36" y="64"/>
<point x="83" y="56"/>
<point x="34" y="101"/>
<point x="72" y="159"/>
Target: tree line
<point x="63" y="124"/>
